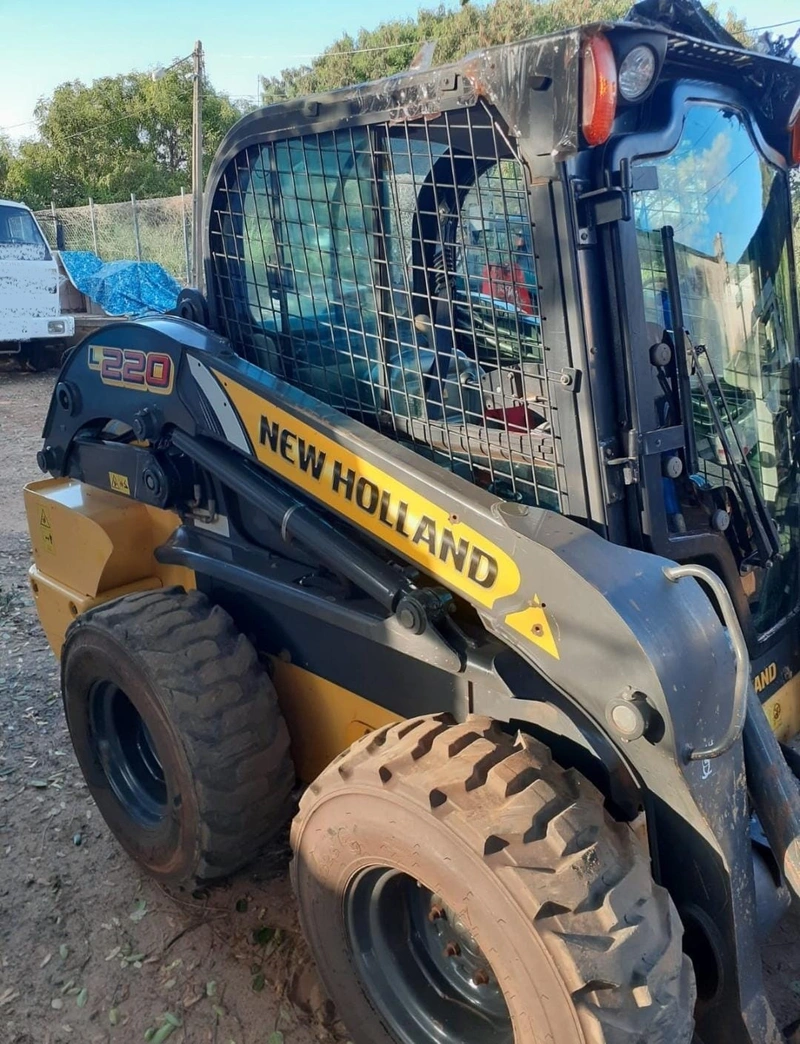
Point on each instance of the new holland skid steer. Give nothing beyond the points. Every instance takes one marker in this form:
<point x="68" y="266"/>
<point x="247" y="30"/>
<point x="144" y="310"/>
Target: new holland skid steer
<point x="468" y="496"/>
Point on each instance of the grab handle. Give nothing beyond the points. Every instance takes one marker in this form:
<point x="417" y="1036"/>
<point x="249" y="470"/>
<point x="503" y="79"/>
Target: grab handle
<point x="739" y="712"/>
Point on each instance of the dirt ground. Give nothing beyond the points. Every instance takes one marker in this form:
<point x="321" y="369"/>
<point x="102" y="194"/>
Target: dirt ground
<point x="90" y="951"/>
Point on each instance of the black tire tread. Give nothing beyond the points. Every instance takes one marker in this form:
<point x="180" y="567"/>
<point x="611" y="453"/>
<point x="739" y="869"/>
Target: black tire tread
<point x="582" y="877"/>
<point x="224" y="708"/>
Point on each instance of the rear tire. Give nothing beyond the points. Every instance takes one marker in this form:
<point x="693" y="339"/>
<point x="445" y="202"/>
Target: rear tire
<point x="178" y="732"/>
<point x="535" y="896"/>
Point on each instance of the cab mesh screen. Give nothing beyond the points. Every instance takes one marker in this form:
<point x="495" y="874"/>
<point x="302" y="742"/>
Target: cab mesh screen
<point x="391" y="272"/>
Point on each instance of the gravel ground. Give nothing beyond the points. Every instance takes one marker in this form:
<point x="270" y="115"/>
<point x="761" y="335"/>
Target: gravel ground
<point x="92" y="952"/>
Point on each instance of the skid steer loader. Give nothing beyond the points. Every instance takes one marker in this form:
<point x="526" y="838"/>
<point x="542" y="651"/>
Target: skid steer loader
<point x="468" y="496"/>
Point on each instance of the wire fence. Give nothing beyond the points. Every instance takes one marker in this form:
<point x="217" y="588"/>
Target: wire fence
<point x="157" y="230"/>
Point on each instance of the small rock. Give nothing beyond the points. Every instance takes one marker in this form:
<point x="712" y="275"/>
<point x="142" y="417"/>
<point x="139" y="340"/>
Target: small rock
<point x="77" y="839"/>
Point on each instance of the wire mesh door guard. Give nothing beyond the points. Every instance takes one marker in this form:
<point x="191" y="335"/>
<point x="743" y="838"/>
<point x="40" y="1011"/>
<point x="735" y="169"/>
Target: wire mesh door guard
<point x="391" y="272"/>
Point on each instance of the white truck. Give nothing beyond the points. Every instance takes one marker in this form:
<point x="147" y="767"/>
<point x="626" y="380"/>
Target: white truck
<point x="31" y="323"/>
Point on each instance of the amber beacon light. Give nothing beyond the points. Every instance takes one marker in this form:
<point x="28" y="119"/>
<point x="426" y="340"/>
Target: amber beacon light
<point x="599" y="91"/>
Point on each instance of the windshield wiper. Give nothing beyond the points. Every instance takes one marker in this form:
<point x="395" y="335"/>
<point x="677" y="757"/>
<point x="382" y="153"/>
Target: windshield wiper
<point x="679" y="341"/>
<point x="765" y="537"/>
<point x="749" y="495"/>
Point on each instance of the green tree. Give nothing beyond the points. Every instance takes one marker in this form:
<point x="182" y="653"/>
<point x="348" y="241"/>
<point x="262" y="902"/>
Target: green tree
<point x="390" y="48"/>
<point x="118" y="135"/>
<point x="6" y="156"/>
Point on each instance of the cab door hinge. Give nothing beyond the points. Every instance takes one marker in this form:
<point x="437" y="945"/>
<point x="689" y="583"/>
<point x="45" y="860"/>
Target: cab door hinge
<point x="628" y="460"/>
<point x="601" y="206"/>
<point x="637" y="444"/>
<point x="594" y="208"/>
<point x="614" y="202"/>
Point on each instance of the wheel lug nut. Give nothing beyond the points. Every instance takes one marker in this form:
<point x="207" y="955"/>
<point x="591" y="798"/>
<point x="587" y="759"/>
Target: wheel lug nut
<point x="452" y="950"/>
<point x="436" y="913"/>
<point x="481" y="978"/>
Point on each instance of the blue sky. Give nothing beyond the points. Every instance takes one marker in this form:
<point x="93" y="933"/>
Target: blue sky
<point x="49" y="42"/>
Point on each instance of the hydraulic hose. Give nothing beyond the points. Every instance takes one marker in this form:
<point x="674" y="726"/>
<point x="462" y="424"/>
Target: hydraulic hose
<point x="363" y="568"/>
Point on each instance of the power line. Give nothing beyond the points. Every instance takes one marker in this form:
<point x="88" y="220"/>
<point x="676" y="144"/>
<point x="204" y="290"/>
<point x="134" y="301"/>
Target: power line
<point x="320" y="54"/>
<point x="775" y="25"/>
<point x="409" y="43"/>
<point x="14" y="126"/>
<point x="240" y="57"/>
<point x="103" y="126"/>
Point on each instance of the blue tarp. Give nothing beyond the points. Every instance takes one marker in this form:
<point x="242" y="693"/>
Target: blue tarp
<point x="121" y="287"/>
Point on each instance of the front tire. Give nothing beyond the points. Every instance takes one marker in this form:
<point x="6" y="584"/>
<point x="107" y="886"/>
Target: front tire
<point x="457" y="886"/>
<point x="178" y="732"/>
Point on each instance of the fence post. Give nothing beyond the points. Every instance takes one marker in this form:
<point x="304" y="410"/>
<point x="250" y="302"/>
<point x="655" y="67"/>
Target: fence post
<point x="55" y="222"/>
<point x="94" y="225"/>
<point x="186" y="249"/>
<point x="136" y="228"/>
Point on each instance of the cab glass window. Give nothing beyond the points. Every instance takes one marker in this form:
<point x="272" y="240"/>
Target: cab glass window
<point x="20" y="238"/>
<point x="729" y="213"/>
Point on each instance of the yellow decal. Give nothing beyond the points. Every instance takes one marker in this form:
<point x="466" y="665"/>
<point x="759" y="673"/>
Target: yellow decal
<point x="119" y="483"/>
<point x="46" y="532"/>
<point x="783" y="710"/>
<point x="438" y="542"/>
<point x="776" y="715"/>
<point x="765" y="677"/>
<point x="532" y="623"/>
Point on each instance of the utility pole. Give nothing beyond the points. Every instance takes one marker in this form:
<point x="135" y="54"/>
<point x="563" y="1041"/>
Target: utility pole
<point x="197" y="167"/>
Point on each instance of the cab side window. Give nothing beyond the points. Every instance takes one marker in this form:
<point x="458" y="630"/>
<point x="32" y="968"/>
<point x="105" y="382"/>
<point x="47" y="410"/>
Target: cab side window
<point x="301" y="224"/>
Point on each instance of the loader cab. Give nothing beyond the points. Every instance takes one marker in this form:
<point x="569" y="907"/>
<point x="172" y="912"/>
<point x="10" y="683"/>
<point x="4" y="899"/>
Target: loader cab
<point x="562" y="269"/>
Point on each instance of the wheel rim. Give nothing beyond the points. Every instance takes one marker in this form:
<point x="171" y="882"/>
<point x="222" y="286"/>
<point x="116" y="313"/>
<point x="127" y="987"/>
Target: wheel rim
<point x="127" y="754"/>
<point x="420" y="966"/>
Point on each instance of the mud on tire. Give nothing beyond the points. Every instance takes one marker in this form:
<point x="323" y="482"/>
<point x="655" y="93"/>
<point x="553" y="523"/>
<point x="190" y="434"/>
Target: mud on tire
<point x="178" y="732"/>
<point x="559" y="897"/>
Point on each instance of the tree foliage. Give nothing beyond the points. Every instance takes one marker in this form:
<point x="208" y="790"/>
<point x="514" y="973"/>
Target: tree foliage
<point x="121" y="134"/>
<point x="390" y="48"/>
<point x="6" y="156"/>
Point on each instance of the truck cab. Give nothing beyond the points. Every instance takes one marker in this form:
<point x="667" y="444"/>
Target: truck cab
<point x="31" y="323"/>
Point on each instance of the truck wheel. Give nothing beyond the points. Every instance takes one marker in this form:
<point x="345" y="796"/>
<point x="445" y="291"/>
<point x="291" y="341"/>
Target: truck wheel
<point x="457" y="886"/>
<point x="178" y="733"/>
